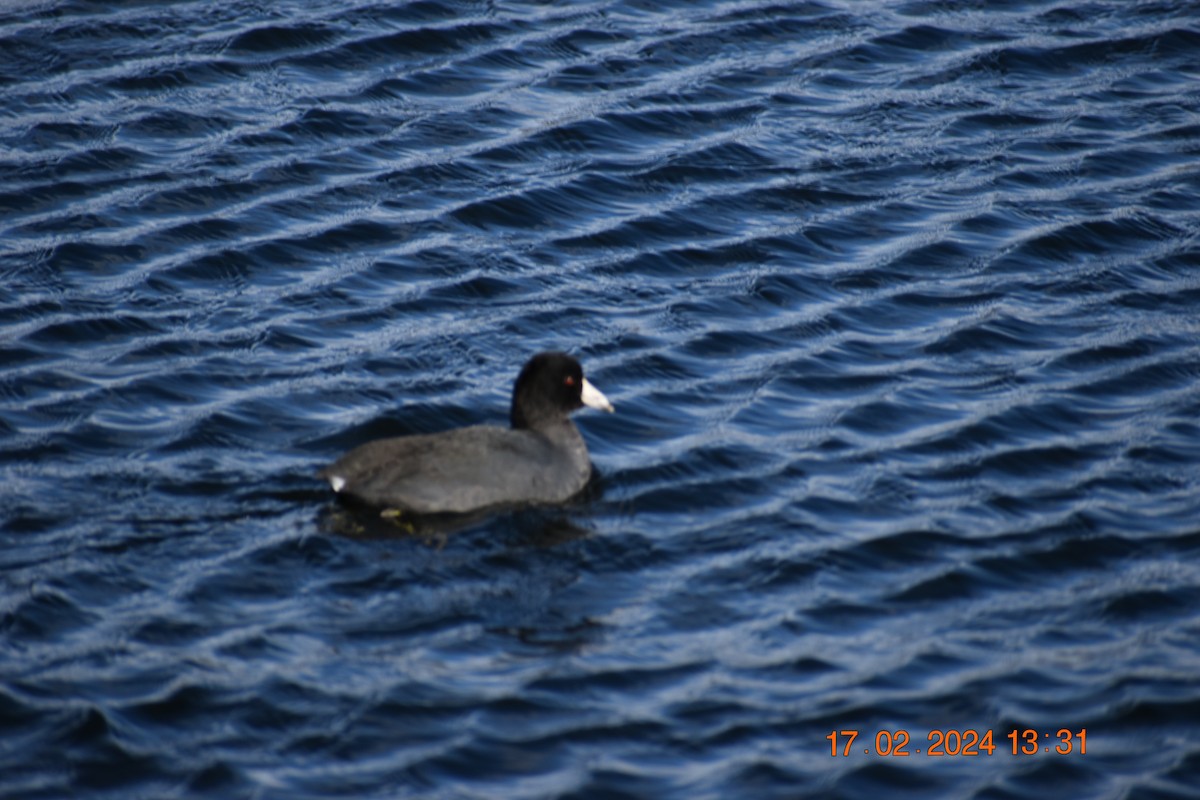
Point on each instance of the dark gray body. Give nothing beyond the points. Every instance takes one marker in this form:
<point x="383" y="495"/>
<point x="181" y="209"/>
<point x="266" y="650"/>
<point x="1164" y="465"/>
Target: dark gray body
<point x="466" y="469"/>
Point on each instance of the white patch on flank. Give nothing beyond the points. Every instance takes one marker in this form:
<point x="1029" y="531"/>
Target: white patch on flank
<point x="337" y="482"/>
<point x="593" y="397"/>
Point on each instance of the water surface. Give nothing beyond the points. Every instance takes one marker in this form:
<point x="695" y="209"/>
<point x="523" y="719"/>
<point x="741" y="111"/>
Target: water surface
<point x="898" y="304"/>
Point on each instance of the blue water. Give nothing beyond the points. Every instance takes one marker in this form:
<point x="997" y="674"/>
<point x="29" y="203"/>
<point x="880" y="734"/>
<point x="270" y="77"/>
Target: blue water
<point x="898" y="302"/>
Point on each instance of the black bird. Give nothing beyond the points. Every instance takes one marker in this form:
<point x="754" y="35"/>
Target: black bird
<point x="540" y="459"/>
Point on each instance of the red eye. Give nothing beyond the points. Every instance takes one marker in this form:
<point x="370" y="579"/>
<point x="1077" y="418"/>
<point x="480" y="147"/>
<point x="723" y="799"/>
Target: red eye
<point x="569" y="380"/>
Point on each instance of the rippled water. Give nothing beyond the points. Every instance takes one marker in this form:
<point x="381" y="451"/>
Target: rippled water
<point x="898" y="303"/>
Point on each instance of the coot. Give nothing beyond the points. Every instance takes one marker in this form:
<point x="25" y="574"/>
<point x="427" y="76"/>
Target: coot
<point x="540" y="459"/>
